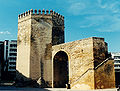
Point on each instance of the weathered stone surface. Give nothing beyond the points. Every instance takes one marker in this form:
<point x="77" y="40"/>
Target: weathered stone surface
<point x="80" y="56"/>
<point x="99" y="50"/>
<point x="23" y="46"/>
<point x="83" y="58"/>
<point x="36" y="35"/>
<point x="105" y="76"/>
<point x="42" y="57"/>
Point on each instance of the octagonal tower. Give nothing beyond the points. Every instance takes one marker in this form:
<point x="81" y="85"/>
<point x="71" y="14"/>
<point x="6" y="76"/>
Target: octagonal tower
<point x="37" y="32"/>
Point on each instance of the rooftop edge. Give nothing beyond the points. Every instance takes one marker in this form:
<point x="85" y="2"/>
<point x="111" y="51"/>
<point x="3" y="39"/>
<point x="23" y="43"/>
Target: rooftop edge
<point x="40" y="12"/>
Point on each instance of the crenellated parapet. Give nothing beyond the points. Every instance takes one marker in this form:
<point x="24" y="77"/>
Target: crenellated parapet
<point x="41" y="13"/>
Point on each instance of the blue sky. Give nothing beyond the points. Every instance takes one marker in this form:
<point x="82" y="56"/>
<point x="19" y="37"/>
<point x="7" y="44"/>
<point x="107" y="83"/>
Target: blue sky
<point x="83" y="18"/>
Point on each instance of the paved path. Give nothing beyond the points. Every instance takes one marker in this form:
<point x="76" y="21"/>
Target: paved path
<point x="8" y="88"/>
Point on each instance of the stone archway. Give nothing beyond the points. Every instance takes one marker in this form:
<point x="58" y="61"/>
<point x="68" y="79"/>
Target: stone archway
<point x="60" y="70"/>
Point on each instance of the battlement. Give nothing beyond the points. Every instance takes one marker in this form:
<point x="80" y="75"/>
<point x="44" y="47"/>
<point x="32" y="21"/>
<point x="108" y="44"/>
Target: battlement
<point x="40" y="12"/>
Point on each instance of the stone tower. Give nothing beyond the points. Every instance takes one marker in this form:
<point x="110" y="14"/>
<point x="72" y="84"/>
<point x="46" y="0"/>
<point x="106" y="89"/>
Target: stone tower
<point x="38" y="31"/>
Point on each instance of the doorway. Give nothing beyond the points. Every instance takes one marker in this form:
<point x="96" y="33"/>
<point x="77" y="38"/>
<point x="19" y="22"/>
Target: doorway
<point x="60" y="70"/>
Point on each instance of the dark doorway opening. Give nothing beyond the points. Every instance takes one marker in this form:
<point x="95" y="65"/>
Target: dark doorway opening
<point x="61" y="70"/>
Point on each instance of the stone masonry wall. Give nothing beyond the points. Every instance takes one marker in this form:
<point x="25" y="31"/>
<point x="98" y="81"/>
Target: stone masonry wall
<point x="23" y="47"/>
<point x="83" y="57"/>
<point x="100" y="50"/>
<point x="40" y="54"/>
<point x="46" y="31"/>
<point x="80" y="57"/>
<point x="86" y="82"/>
<point x="36" y="35"/>
<point x="105" y="76"/>
<point x="58" y="30"/>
